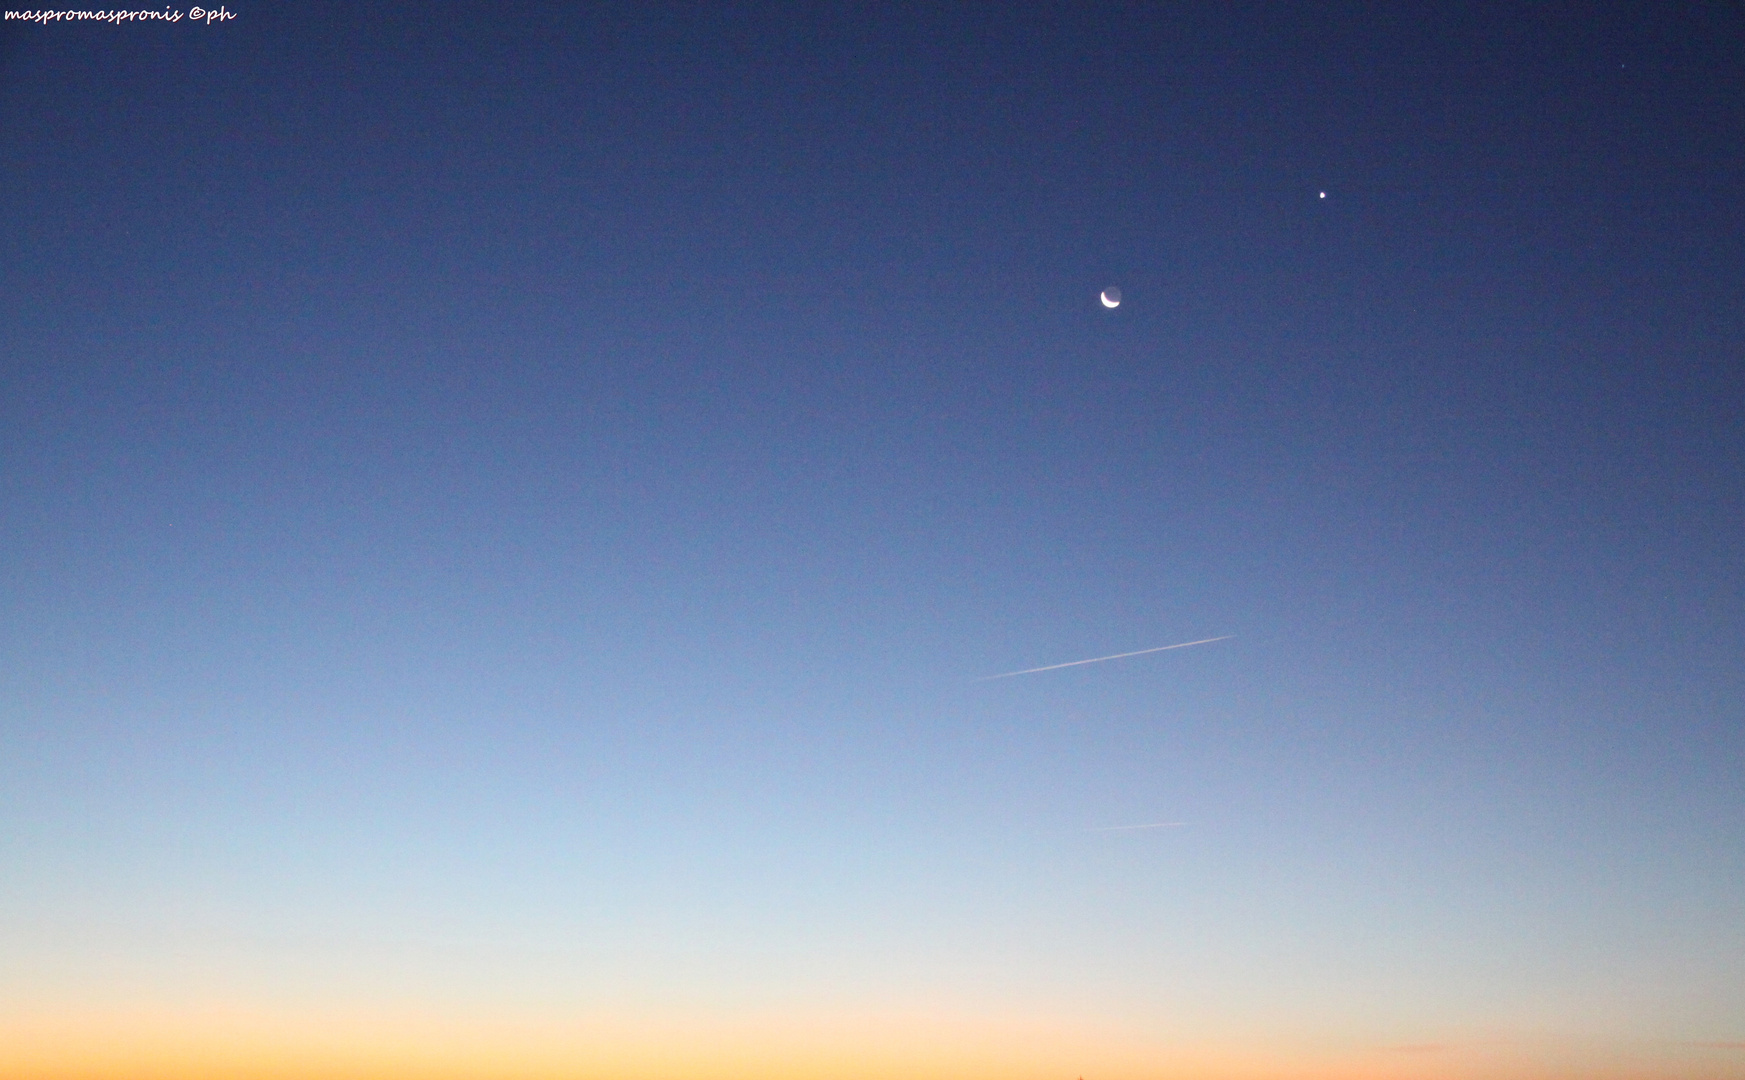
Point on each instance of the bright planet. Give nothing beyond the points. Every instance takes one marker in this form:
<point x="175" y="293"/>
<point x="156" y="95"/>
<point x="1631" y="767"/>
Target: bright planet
<point x="1111" y="297"/>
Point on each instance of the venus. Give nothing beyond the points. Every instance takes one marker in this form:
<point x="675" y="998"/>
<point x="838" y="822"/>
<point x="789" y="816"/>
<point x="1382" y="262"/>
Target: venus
<point x="1111" y="297"/>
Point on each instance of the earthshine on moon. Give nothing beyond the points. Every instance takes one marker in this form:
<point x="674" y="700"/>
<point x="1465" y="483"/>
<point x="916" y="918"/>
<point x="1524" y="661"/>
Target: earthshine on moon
<point x="1111" y="297"/>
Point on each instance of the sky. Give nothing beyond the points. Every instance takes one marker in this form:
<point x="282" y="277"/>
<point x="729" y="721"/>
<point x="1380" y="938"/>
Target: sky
<point x="507" y="514"/>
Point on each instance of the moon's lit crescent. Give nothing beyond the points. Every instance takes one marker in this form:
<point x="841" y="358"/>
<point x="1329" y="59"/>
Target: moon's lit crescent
<point x="1111" y="297"/>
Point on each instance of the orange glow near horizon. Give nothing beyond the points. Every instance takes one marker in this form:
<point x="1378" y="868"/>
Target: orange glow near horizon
<point x="231" y="1043"/>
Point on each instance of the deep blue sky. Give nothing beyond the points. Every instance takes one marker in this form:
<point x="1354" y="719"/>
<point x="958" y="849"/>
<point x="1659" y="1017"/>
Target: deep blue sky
<point x="472" y="473"/>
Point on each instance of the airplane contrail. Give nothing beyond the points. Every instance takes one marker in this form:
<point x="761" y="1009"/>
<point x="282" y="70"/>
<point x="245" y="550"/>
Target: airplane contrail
<point x="1134" y="828"/>
<point x="1100" y="659"/>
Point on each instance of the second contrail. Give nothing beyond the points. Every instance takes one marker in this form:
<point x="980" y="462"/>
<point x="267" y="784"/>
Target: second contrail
<point x="1100" y="659"/>
<point x="1136" y="828"/>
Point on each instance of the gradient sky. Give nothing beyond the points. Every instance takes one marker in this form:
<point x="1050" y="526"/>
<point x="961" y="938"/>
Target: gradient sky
<point x="504" y="509"/>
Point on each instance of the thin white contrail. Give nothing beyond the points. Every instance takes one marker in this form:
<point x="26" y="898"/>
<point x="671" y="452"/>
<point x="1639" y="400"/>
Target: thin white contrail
<point x="1100" y="659"/>
<point x="1134" y="828"/>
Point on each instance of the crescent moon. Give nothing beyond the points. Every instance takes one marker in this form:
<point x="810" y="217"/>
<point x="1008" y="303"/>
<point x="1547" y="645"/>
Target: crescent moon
<point x="1110" y="297"/>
